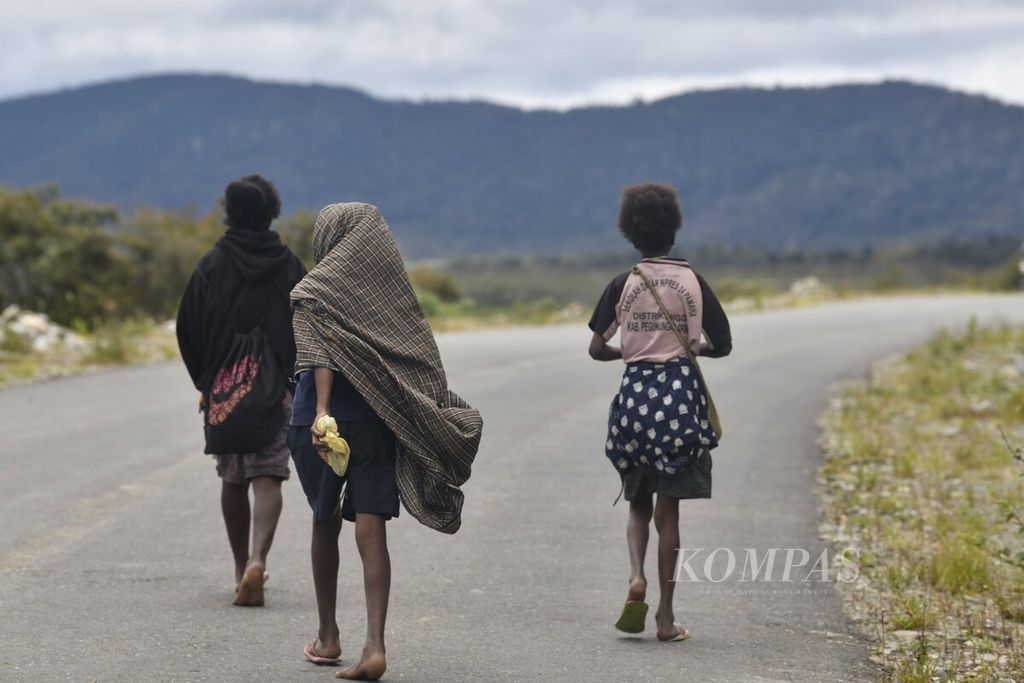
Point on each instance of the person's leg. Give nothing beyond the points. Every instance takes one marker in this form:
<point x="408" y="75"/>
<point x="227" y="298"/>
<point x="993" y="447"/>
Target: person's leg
<point x="267" y="505"/>
<point x="372" y="542"/>
<point x="666" y="520"/>
<point x="638" y="531"/>
<point x="324" y="556"/>
<point x="234" y="504"/>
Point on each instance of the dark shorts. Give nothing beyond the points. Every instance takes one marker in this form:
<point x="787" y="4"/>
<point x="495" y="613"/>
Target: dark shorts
<point x="372" y="487"/>
<point x="693" y="481"/>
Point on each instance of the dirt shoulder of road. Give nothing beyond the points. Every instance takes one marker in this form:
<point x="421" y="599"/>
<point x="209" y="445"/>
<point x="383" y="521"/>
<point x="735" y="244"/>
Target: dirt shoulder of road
<point x="924" y="477"/>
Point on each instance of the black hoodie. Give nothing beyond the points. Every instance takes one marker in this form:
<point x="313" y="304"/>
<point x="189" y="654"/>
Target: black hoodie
<point x="242" y="282"/>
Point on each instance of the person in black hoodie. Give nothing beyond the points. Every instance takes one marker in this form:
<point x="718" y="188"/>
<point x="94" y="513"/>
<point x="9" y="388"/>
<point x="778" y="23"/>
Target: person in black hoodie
<point x="241" y="283"/>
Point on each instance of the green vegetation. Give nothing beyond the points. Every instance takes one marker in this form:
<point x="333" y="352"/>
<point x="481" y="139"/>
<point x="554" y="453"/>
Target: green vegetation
<point x="104" y="276"/>
<point x="132" y="341"/>
<point x="59" y="256"/>
<point x="90" y="268"/>
<point x="443" y="286"/>
<point x="440" y="294"/>
<point x="107" y="276"/>
<point x="751" y="277"/>
<point x="86" y="265"/>
<point x="919" y="477"/>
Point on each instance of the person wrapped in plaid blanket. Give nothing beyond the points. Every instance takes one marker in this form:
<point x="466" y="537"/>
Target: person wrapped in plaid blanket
<point x="365" y="355"/>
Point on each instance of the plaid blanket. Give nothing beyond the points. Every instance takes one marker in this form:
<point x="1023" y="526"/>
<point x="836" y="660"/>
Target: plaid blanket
<point x="356" y="313"/>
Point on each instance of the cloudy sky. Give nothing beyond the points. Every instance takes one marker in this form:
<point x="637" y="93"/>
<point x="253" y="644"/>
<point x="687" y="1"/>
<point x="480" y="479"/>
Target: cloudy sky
<point x="528" y="52"/>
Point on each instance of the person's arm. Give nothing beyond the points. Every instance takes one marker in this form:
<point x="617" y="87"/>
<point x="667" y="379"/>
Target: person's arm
<point x="189" y="329"/>
<point x="289" y="354"/>
<point x="716" y="324"/>
<point x="323" y="378"/>
<point x="602" y="350"/>
<point x="603" y="323"/>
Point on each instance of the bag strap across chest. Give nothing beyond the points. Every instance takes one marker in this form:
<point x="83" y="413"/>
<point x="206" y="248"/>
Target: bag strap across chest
<point x="716" y="423"/>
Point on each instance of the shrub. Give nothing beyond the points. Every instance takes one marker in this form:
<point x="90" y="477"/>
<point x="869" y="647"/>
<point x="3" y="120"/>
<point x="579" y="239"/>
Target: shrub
<point x="442" y="285"/>
<point x="430" y="304"/>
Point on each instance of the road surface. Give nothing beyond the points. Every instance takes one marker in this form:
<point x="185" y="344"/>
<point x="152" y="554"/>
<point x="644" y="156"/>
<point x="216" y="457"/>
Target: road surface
<point x="114" y="565"/>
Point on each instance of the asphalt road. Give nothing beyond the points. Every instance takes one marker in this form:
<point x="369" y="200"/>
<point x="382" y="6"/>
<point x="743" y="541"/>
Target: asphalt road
<point x="114" y="565"/>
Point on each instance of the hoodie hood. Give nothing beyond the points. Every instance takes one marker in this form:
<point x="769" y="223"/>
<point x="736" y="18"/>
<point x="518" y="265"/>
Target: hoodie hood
<point x="258" y="254"/>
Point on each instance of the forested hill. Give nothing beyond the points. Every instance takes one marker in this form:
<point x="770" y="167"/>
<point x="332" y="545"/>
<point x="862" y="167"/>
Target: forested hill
<point x="838" y="166"/>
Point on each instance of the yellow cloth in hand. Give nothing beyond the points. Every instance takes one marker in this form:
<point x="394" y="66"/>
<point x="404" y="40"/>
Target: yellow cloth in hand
<point x="338" y="450"/>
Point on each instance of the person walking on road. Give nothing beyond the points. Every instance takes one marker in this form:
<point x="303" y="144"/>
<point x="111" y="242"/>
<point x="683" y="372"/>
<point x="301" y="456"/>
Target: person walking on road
<point x="662" y="424"/>
<point x="367" y="358"/>
<point x="235" y="335"/>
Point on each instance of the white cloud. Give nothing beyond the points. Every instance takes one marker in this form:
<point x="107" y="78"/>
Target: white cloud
<point x="526" y="52"/>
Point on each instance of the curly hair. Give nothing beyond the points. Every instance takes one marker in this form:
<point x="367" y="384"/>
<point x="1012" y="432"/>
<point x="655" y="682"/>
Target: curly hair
<point x="650" y="216"/>
<point x="251" y="203"/>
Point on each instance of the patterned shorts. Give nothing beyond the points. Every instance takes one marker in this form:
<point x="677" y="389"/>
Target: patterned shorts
<point x="269" y="461"/>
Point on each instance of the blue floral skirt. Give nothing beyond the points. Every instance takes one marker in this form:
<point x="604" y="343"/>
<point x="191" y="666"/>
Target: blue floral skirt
<point x="659" y="419"/>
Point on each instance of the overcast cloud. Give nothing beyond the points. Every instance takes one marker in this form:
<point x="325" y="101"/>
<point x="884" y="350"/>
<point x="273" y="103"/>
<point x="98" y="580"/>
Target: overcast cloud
<point x="530" y="52"/>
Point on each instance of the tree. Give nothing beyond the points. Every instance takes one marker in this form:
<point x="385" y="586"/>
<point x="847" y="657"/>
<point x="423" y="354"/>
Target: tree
<point x="163" y="249"/>
<point x="57" y="256"/>
<point x="297" y="232"/>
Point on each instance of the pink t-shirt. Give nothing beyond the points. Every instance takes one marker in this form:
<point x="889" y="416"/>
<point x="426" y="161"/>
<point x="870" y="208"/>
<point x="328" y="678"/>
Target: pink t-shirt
<point x="646" y="334"/>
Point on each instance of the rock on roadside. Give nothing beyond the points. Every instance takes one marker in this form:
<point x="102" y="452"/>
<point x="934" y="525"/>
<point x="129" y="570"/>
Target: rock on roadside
<point x="38" y="333"/>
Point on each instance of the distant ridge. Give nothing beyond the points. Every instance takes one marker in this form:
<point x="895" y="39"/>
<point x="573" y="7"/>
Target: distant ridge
<point x="837" y="166"/>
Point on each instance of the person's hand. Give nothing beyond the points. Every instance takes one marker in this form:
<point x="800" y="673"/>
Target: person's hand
<point x="203" y="402"/>
<point x="318" y="442"/>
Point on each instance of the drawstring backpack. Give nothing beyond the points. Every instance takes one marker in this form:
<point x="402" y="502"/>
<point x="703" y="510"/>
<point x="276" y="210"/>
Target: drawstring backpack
<point x="244" y="410"/>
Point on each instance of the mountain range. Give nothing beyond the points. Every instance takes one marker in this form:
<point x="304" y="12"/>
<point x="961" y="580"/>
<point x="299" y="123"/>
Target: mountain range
<point x="841" y="166"/>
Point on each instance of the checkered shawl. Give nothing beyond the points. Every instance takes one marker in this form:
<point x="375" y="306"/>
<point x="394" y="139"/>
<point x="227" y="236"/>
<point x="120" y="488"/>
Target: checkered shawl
<point x="356" y="313"/>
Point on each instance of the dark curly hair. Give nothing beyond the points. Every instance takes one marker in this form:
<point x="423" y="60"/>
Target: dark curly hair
<point x="650" y="217"/>
<point x="251" y="203"/>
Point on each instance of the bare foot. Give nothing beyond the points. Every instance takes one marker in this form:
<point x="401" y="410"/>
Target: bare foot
<point x="637" y="589"/>
<point x="238" y="578"/>
<point x="370" y="668"/>
<point x="250" y="588"/>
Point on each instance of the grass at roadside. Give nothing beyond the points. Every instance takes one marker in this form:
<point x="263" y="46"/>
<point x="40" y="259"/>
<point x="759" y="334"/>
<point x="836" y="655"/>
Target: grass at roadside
<point x="466" y="314"/>
<point x="917" y="477"/>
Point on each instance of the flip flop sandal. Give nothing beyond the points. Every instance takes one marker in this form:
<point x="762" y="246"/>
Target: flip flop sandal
<point x="679" y="637"/>
<point x="633" y="617"/>
<point x="311" y="655"/>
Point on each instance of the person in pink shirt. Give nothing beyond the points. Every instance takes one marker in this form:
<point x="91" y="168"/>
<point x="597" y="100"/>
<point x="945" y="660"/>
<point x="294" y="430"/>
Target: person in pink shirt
<point x="660" y="425"/>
